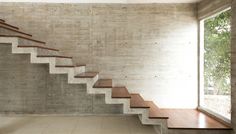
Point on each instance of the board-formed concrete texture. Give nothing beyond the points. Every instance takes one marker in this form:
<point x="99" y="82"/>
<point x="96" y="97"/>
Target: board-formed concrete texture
<point x="141" y="46"/>
<point x="29" y="89"/>
<point x="207" y="8"/>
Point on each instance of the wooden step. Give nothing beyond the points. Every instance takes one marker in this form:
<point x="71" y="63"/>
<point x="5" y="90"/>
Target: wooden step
<point x="70" y="66"/>
<point x="87" y="75"/>
<point x="9" y="25"/>
<point x="78" y="65"/>
<point x="191" y="119"/>
<point x="120" y="92"/>
<point x="103" y="83"/>
<point x="2" y="20"/>
<point x="14" y="30"/>
<point x="18" y="36"/>
<point x="185" y="118"/>
<point x="155" y="112"/>
<point x="137" y="101"/>
<point x="41" y="47"/>
<point x="65" y="66"/>
<point x="54" y="56"/>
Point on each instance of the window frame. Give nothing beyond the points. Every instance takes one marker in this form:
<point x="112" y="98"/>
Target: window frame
<point x="201" y="67"/>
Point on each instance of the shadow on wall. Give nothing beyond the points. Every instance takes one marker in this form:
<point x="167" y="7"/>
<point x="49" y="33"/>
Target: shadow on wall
<point x="30" y="89"/>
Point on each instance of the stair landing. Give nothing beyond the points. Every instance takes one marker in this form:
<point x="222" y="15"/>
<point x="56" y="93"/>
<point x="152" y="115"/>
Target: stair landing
<point x="191" y="119"/>
<point x="186" y="118"/>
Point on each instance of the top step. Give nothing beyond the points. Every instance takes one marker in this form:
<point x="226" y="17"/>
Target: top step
<point x="2" y="20"/>
<point x="9" y="28"/>
<point x="9" y="25"/>
<point x="18" y="36"/>
<point x="4" y="23"/>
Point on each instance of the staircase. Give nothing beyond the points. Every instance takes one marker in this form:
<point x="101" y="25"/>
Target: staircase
<point x="133" y="103"/>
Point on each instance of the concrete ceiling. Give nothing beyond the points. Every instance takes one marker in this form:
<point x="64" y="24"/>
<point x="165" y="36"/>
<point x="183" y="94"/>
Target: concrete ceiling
<point x="106" y="1"/>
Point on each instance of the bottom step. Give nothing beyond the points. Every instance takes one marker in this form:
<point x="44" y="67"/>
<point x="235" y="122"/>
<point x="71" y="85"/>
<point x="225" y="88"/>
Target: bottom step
<point x="198" y="131"/>
<point x="186" y="118"/>
<point x="192" y="119"/>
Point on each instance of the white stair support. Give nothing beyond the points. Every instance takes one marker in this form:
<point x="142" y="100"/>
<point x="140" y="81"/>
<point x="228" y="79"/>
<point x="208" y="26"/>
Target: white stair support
<point x="160" y="125"/>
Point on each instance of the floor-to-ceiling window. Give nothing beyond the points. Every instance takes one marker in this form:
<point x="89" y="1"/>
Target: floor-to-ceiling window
<point x="215" y="89"/>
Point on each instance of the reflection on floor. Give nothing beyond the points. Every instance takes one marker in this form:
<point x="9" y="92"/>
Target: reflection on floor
<point x="73" y="125"/>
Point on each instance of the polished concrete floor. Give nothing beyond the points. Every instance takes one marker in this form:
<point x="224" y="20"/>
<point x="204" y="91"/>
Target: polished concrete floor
<point x="73" y="125"/>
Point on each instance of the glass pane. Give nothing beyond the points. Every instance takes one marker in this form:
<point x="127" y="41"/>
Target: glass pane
<point x="217" y="87"/>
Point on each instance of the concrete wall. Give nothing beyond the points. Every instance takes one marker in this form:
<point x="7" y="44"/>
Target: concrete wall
<point x="233" y="67"/>
<point x="207" y="8"/>
<point x="29" y="88"/>
<point x="151" y="49"/>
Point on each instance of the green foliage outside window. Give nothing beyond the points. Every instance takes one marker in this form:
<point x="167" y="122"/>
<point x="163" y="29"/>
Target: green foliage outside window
<point x="217" y="54"/>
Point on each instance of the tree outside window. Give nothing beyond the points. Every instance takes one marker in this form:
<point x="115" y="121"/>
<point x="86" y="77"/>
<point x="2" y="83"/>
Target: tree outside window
<point x="217" y="65"/>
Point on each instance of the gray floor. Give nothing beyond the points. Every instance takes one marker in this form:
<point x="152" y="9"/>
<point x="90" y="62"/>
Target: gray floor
<point x="73" y="125"/>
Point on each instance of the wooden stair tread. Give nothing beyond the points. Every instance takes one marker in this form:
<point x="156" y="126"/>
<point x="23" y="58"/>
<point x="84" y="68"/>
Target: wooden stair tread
<point x="185" y="118"/>
<point x="70" y="66"/>
<point x="42" y="47"/>
<point x="155" y="112"/>
<point x="191" y="119"/>
<point x="17" y="28"/>
<point x="18" y="36"/>
<point x="137" y="101"/>
<point x="120" y="92"/>
<point x="66" y="66"/>
<point x="78" y="65"/>
<point x="103" y="83"/>
<point x="55" y="56"/>
<point x="13" y="29"/>
<point x="87" y="75"/>
<point x="2" y="20"/>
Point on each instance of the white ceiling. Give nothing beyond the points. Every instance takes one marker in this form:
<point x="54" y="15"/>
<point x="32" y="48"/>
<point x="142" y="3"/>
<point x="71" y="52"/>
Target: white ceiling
<point x="106" y="1"/>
